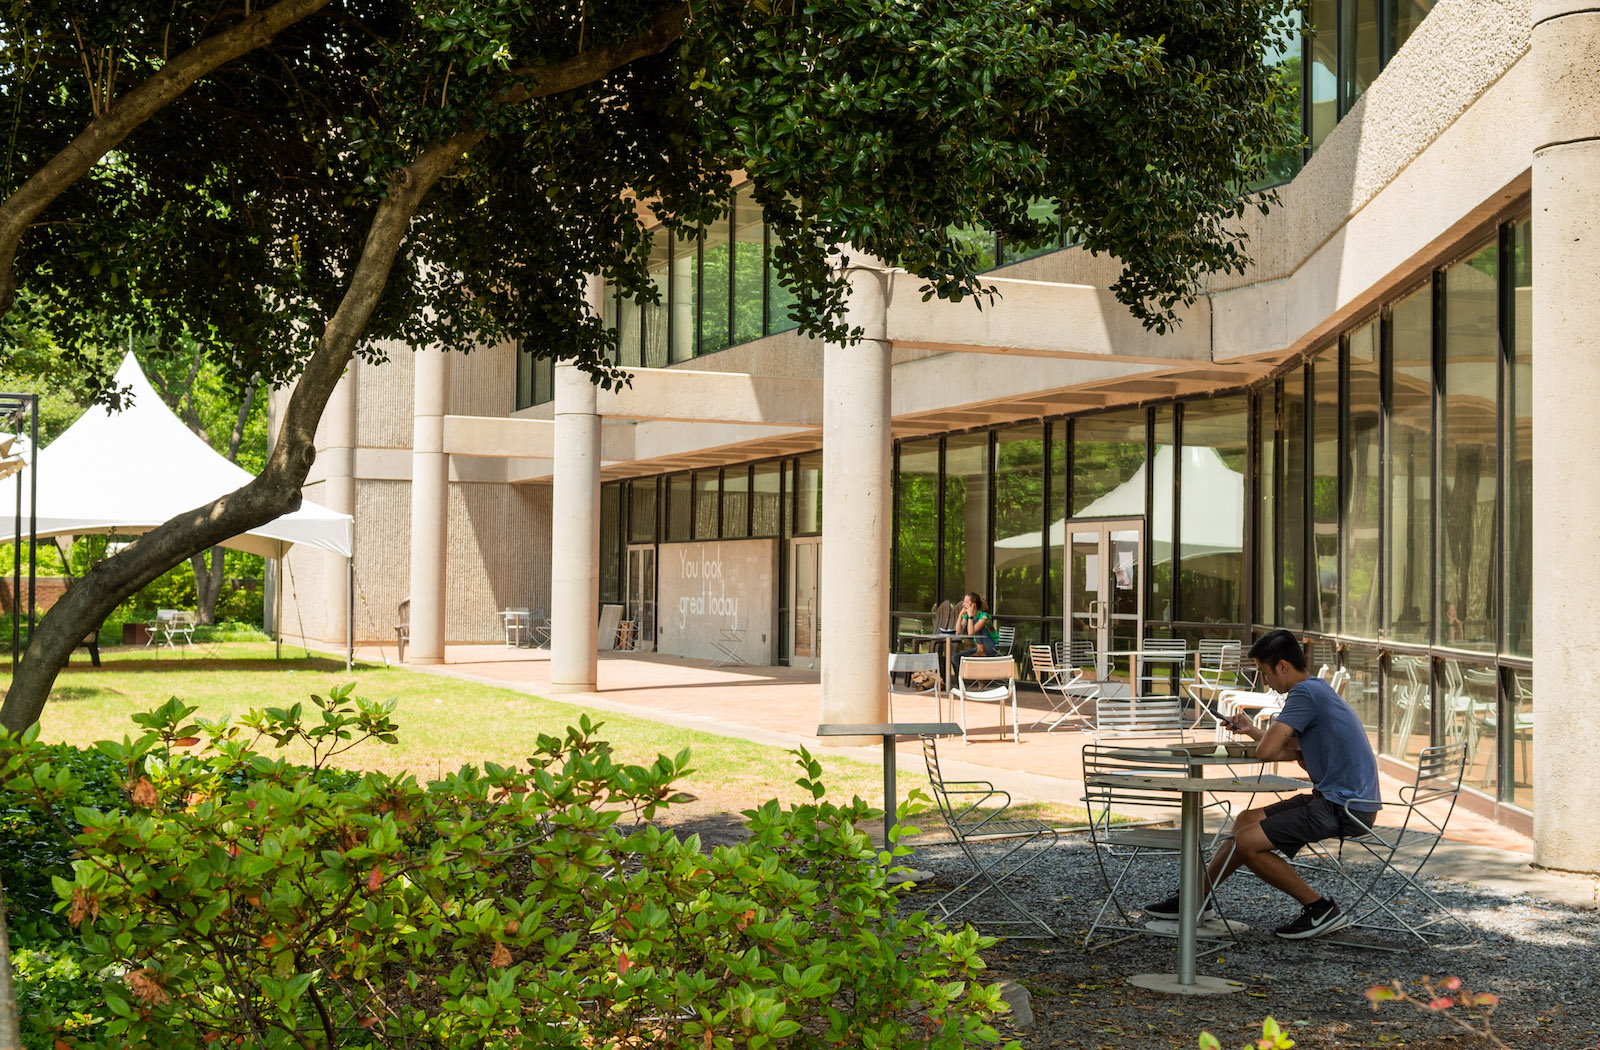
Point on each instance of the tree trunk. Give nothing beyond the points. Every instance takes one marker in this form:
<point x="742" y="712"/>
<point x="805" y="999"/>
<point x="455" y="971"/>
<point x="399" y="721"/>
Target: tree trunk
<point x="10" y="1026"/>
<point x="207" y="585"/>
<point x="274" y="493"/>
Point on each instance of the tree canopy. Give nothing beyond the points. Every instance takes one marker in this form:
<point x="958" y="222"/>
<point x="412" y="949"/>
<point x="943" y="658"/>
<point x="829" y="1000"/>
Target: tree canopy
<point x="292" y="183"/>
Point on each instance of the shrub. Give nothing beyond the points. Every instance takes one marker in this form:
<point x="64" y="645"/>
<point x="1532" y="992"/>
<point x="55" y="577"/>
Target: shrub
<point x="57" y="998"/>
<point x="241" y="899"/>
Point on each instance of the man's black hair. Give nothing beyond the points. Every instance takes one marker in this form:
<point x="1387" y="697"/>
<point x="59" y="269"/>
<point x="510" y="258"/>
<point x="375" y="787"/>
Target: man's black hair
<point x="1279" y="645"/>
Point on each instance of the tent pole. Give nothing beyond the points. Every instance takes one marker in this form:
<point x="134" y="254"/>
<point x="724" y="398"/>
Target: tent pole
<point x="350" y="613"/>
<point x="277" y="608"/>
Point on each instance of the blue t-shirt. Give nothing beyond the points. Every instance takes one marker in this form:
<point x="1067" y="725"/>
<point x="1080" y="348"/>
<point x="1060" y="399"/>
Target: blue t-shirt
<point x="1333" y="743"/>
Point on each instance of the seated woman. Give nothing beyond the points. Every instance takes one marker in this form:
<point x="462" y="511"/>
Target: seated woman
<point x="974" y="619"/>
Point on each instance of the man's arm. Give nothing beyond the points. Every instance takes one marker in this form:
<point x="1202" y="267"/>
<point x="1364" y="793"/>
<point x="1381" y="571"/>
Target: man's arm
<point x="1276" y="743"/>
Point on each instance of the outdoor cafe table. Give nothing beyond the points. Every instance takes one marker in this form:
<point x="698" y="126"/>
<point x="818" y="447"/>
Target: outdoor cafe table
<point x="941" y="636"/>
<point x="1190" y="789"/>
<point x="888" y="731"/>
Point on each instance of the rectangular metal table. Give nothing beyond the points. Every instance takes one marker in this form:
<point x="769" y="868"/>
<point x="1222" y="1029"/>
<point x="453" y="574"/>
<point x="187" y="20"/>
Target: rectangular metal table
<point x="1190" y="896"/>
<point x="888" y="731"/>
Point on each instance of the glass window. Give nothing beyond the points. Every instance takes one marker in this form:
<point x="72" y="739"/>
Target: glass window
<point x="1266" y="545"/>
<point x="916" y="494"/>
<point x="680" y="507"/>
<point x="977" y="242"/>
<point x="1518" y="568"/>
<point x="1467" y="710"/>
<point x="1404" y="17"/>
<point x="656" y="313"/>
<point x="1410" y="515"/>
<point x="630" y="330"/>
<point x="1042" y="210"/>
<point x="716" y="255"/>
<point x="1288" y="62"/>
<point x="779" y="299"/>
<point x="735" y="503"/>
<point x="1323" y="51"/>
<point x="1363" y="464"/>
<point x="544" y="380"/>
<point x="808" y="495"/>
<point x="1292" y="505"/>
<point x="1361" y="690"/>
<point x="642" y="511"/>
<point x="1107" y="451"/>
<point x="1211" y="526"/>
<point x="611" y="542"/>
<point x="1164" y="475"/>
<point x="966" y="515"/>
<point x="1360" y="49"/>
<point x="1324" y="611"/>
<point x="706" y="488"/>
<point x="685" y="296"/>
<point x="1057" y="489"/>
<point x="749" y="267"/>
<point x="1469" y="446"/>
<point x="1408" y="706"/>
<point x="766" y="512"/>
<point x="1518" y="737"/>
<point x="1019" y="535"/>
<point x="524" y="396"/>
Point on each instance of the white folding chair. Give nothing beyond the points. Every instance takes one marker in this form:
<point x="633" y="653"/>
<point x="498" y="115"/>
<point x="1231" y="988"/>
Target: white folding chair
<point x="1004" y="639"/>
<point x="986" y="678"/>
<point x="1119" y="718"/>
<point x="1159" y="657"/>
<point x="727" y="646"/>
<point x="1070" y="688"/>
<point x="911" y="663"/>
<point x="1216" y="667"/>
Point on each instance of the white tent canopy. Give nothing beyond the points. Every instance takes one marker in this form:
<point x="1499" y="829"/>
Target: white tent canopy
<point x="128" y="472"/>
<point x="1213" y="509"/>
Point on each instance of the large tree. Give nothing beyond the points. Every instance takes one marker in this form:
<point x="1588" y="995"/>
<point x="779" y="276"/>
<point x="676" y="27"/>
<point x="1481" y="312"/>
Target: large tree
<point x="447" y="172"/>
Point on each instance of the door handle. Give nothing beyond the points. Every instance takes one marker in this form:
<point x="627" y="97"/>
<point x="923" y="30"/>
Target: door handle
<point x="1097" y="614"/>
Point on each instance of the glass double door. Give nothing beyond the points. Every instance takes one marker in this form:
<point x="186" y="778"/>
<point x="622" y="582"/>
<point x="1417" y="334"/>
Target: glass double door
<point x="1105" y="592"/>
<point x="805" y="625"/>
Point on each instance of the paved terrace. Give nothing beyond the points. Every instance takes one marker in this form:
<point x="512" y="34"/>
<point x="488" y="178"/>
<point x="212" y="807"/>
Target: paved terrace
<point x="782" y="705"/>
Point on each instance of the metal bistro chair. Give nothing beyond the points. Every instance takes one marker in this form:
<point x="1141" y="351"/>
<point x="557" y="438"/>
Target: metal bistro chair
<point x="1004" y="639"/>
<point x="402" y="629"/>
<point x="1160" y="657"/>
<point x="1118" y="846"/>
<point x="996" y="845"/>
<point x="727" y="646"/>
<point x="984" y="678"/>
<point x="516" y="626"/>
<point x="907" y="664"/>
<point x="1392" y="898"/>
<point x="1127" y="719"/>
<point x="1216" y="667"/>
<point x="1072" y="690"/>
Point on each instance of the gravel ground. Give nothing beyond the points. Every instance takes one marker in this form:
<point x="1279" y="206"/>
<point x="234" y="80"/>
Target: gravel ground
<point x="1540" y="958"/>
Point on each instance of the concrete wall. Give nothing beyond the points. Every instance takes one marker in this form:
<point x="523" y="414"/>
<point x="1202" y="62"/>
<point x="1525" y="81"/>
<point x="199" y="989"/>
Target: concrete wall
<point x="704" y="587"/>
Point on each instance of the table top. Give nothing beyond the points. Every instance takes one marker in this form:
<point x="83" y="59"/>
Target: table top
<point x="888" y="729"/>
<point x="1232" y="785"/>
<point x="1233" y="750"/>
<point x="938" y="636"/>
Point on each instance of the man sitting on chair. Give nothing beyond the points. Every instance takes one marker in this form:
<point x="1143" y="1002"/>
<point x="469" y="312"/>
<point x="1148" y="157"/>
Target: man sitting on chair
<point x="1324" y="734"/>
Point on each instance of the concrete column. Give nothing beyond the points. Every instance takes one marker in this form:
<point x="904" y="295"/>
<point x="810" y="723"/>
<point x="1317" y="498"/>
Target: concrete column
<point x="575" y="528"/>
<point x="856" y="509"/>
<point x="338" y="493"/>
<point x="430" y="506"/>
<point x="1566" y="372"/>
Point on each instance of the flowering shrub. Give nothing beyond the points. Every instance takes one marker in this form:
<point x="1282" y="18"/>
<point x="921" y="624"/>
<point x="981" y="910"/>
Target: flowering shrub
<point x="240" y="899"/>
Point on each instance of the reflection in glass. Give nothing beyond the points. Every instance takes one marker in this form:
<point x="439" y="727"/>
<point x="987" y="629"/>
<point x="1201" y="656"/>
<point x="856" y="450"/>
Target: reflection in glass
<point x="1467" y="712"/>
<point x="626" y="316"/>
<point x="1324" y="610"/>
<point x="656" y="313"/>
<point x="1058" y="510"/>
<point x="749" y="266"/>
<point x="916" y="493"/>
<point x="1266" y="548"/>
<point x="1404" y="18"/>
<point x="1324" y="58"/>
<point x="1285" y="164"/>
<point x="716" y="252"/>
<point x="765" y="498"/>
<point x="680" y="507"/>
<point x="1518" y="570"/>
<point x="1519" y="738"/>
<point x="611" y="542"/>
<point x="1468" y="422"/>
<point x="735" y="503"/>
<point x="1361" y="690"/>
<point x="1360" y="49"/>
<point x="808" y="495"/>
<point x="1019" y="535"/>
<point x="1410" y="516"/>
<point x="1161" y="513"/>
<point x="642" y="510"/>
<point x="1292" y="508"/>
<point x="1408" y="700"/>
<point x="685" y="297"/>
<point x="780" y="300"/>
<point x="1107" y="451"/>
<point x="1363" y="464"/>
<point x="705" y="504"/>
<point x="1211" y="528"/>
<point x="966" y="515"/>
<point x="1043" y="210"/>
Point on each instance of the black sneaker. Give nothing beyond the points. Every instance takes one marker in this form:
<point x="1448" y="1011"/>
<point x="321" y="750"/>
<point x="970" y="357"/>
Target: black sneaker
<point x="1168" y="909"/>
<point x="1315" y="919"/>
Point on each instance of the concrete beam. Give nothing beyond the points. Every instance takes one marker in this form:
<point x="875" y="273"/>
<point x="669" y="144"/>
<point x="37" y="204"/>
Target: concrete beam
<point x="714" y="397"/>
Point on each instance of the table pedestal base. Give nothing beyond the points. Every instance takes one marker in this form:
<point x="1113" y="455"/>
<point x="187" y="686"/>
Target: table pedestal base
<point x="1168" y="982"/>
<point x="911" y="875"/>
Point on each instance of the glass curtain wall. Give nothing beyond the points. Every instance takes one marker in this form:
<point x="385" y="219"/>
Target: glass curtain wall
<point x="966" y="516"/>
<point x="1211" y="521"/>
<point x="1291" y="513"/>
<point x="735" y="502"/>
<point x="1020" y="532"/>
<point x="1347" y="45"/>
<point x="1363" y="484"/>
<point x="916" y="511"/>
<point x="1410" y="516"/>
<point x="1518" y="325"/>
<point x="1164" y="472"/>
<point x="1323" y="609"/>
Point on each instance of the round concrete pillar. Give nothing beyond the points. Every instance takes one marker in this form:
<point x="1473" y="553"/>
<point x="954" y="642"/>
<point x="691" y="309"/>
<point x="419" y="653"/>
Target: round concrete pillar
<point x="430" y="506"/>
<point x="338" y="493"/>
<point x="856" y="463"/>
<point x="1566" y="373"/>
<point x="575" y="529"/>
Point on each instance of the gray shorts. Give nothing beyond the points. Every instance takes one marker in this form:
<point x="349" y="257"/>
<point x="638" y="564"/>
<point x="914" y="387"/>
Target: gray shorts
<point x="1292" y="823"/>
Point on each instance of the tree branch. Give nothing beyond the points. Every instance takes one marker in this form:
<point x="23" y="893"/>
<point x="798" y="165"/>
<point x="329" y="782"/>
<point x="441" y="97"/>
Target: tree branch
<point x="118" y="119"/>
<point x="589" y="66"/>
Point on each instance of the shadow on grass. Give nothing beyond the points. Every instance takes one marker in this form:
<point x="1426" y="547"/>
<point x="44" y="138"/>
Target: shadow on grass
<point x="67" y="694"/>
<point x="315" y="663"/>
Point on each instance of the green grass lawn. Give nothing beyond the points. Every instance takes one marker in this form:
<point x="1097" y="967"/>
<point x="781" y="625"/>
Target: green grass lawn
<point x="444" y="723"/>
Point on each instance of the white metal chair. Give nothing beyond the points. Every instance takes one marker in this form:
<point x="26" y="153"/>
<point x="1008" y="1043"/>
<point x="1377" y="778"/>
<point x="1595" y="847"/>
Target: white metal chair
<point x="1392" y="897"/>
<point x="1071" y="689"/>
<point x="911" y="663"/>
<point x="1216" y="667"/>
<point x="402" y="628"/>
<point x="1119" y="718"/>
<point x="987" y="678"/>
<point x="727" y="646"/>
<point x="1158" y="657"/>
<point x="1004" y="639"/>
<point x="1117" y="847"/>
<point x="975" y="813"/>
<point x="516" y="626"/>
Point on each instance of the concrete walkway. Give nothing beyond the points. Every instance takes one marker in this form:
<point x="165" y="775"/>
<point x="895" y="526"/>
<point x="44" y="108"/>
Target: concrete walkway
<point x="780" y="706"/>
